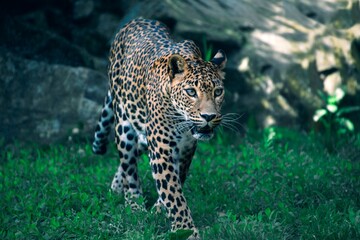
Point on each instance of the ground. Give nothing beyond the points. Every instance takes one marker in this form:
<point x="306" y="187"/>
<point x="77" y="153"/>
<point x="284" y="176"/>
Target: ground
<point x="277" y="184"/>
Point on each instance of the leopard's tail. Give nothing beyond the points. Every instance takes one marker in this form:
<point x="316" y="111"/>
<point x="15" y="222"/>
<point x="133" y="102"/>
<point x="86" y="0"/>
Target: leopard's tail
<point x="103" y="127"/>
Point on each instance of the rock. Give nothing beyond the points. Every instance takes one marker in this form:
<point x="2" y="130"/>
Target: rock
<point x="288" y="45"/>
<point x="107" y="26"/>
<point x="30" y="41"/>
<point x="48" y="103"/>
<point x="83" y="8"/>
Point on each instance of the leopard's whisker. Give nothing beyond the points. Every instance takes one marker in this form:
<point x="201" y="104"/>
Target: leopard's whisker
<point x="232" y="116"/>
<point x="191" y="128"/>
<point x="234" y="123"/>
<point x="230" y="126"/>
<point x="183" y="126"/>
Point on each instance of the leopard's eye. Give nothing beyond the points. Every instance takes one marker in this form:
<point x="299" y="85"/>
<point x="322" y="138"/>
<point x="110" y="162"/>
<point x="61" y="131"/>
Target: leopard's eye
<point x="191" y="92"/>
<point x="218" y="92"/>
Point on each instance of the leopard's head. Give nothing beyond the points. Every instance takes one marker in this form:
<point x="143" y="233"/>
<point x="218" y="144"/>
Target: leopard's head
<point x="197" y="93"/>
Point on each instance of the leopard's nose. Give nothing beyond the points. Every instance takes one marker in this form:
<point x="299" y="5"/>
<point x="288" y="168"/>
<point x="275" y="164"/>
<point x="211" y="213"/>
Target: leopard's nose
<point x="208" y="117"/>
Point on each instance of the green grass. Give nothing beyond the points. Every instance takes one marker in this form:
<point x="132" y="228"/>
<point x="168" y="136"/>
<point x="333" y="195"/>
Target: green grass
<point x="277" y="185"/>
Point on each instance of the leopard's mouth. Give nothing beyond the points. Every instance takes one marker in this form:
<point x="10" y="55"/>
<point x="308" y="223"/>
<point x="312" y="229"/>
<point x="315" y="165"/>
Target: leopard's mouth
<point x="202" y="133"/>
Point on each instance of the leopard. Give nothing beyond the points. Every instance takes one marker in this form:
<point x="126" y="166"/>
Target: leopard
<point x="163" y="98"/>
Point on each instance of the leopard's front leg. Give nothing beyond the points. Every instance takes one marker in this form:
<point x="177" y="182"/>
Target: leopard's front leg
<point x="165" y="171"/>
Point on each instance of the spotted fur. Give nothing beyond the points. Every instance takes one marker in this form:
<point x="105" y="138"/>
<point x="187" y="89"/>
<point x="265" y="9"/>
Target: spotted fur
<point x="164" y="98"/>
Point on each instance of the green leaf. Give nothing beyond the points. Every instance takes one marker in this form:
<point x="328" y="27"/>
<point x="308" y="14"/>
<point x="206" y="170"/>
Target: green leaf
<point x="347" y="124"/>
<point x="339" y="94"/>
<point x="323" y="96"/>
<point x="54" y="223"/>
<point x="332" y="100"/>
<point x="345" y="110"/>
<point x="208" y="49"/>
<point x="319" y="114"/>
<point x="268" y="212"/>
<point x="231" y="216"/>
<point x="181" y="234"/>
<point x="332" y="108"/>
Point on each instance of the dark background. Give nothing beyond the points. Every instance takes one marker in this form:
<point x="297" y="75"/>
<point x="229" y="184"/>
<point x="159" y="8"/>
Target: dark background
<point x="285" y="58"/>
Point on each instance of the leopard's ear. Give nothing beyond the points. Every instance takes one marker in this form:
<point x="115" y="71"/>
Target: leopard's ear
<point x="220" y="59"/>
<point x="176" y="65"/>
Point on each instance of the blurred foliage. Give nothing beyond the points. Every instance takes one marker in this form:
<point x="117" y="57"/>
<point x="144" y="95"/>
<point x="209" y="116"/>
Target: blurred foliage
<point x="333" y="121"/>
<point x="332" y="116"/>
<point x="207" y="49"/>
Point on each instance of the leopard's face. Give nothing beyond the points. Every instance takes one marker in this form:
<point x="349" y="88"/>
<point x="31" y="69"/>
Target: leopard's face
<point x="198" y="96"/>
